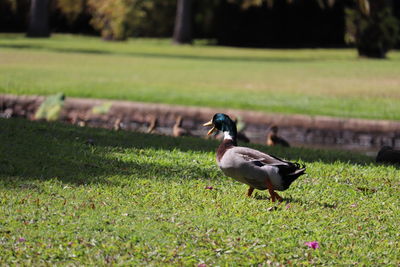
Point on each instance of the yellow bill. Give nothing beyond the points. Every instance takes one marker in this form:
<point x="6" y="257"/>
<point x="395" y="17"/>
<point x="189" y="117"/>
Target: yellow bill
<point x="213" y="129"/>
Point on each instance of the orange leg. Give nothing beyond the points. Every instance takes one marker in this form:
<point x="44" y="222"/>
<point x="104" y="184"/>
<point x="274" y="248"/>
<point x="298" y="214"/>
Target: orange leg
<point x="250" y="191"/>
<point x="271" y="191"/>
<point x="280" y="199"/>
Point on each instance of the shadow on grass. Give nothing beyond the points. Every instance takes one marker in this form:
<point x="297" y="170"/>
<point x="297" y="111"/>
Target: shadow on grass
<point x="38" y="150"/>
<point x="42" y="151"/>
<point x="160" y="55"/>
<point x="286" y="201"/>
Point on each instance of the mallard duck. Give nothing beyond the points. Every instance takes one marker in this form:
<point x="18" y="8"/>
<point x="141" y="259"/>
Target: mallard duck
<point x="178" y="130"/>
<point x="249" y="166"/>
<point x="273" y="139"/>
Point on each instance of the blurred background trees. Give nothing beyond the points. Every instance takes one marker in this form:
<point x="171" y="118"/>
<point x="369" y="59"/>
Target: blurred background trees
<point x="370" y="25"/>
<point x="114" y="18"/>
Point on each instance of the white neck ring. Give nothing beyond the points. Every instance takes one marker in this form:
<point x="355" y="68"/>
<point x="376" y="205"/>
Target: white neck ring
<point x="227" y="136"/>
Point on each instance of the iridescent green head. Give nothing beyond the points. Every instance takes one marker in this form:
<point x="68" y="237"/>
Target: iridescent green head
<point x="222" y="122"/>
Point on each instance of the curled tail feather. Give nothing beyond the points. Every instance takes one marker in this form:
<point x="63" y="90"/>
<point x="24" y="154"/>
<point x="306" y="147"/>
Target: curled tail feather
<point x="295" y="172"/>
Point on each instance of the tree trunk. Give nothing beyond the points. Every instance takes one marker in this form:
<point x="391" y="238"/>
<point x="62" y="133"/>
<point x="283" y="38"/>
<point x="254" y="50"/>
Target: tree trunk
<point x="183" y="22"/>
<point x="39" y="19"/>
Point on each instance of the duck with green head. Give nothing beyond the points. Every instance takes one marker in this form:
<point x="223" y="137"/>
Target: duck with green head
<point x="249" y="166"/>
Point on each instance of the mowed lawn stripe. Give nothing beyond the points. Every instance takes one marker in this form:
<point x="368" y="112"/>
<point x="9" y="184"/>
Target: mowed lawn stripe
<point x="331" y="82"/>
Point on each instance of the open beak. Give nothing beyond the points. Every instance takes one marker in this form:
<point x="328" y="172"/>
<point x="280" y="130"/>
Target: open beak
<point x="213" y="129"/>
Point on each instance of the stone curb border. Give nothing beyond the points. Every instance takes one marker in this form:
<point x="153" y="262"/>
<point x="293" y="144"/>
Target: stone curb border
<point x="26" y="106"/>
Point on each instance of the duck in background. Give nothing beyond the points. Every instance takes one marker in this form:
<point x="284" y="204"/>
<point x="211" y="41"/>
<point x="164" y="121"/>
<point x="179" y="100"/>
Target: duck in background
<point x="152" y="125"/>
<point x="249" y="166"/>
<point x="178" y="130"/>
<point x="274" y="140"/>
<point x="118" y="124"/>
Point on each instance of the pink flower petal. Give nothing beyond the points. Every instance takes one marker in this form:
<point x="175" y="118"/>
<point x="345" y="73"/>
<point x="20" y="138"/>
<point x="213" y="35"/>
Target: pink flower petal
<point x="21" y="239"/>
<point x="312" y="244"/>
<point x="209" y="187"/>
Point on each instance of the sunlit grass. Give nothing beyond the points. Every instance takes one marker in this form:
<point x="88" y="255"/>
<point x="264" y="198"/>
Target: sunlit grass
<point x="307" y="81"/>
<point x="137" y="199"/>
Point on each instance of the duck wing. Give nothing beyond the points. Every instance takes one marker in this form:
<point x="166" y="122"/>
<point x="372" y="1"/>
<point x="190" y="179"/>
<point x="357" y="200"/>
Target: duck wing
<point x="286" y="170"/>
<point x="255" y="156"/>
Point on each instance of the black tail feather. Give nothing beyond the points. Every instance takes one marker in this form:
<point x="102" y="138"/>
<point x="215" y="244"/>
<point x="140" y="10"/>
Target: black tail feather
<point x="294" y="171"/>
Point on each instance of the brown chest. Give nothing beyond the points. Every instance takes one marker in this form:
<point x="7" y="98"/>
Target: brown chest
<point x="223" y="147"/>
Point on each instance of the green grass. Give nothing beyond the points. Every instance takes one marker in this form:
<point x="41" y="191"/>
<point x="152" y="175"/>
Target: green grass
<point x="307" y="81"/>
<point x="140" y="199"/>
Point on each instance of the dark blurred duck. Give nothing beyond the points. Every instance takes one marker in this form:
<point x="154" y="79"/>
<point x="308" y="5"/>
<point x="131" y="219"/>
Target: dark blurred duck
<point x="388" y="155"/>
<point x="178" y="130"/>
<point x="274" y="140"/>
<point x="241" y="136"/>
<point x="249" y="166"/>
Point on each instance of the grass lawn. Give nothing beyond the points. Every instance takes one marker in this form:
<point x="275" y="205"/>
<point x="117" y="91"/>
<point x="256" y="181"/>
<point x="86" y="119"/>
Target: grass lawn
<point x="141" y="199"/>
<point x="308" y="81"/>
